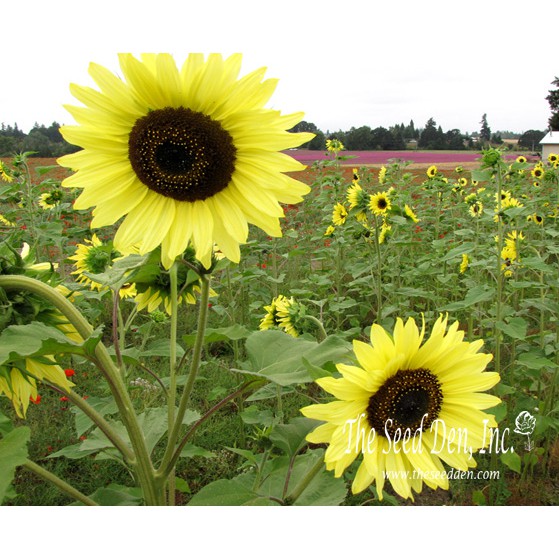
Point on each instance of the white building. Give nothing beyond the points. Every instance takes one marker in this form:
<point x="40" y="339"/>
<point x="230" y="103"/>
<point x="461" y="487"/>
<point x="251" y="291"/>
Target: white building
<point x="550" y="144"/>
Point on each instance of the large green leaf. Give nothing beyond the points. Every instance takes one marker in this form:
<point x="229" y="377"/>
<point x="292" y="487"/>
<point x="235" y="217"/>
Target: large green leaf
<point x="229" y="333"/>
<point x="279" y="357"/>
<point x="36" y="338"/>
<point x="118" y="495"/>
<point x="323" y="490"/>
<point x="13" y="453"/>
<point x="291" y="437"/>
<point x="229" y="492"/>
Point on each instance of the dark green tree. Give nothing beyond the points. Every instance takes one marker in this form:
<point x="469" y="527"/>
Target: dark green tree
<point x="530" y="139"/>
<point x="553" y="100"/>
<point x="485" y="131"/>
<point x="359" y="138"/>
<point x="431" y="137"/>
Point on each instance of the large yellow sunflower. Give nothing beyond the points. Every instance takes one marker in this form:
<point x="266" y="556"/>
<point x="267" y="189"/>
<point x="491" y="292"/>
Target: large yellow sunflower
<point x="407" y="408"/>
<point x="188" y="156"/>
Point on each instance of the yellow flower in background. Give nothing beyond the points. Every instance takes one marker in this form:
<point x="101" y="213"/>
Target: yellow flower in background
<point x="476" y="209"/>
<point x="329" y="231"/>
<point x="339" y="214"/>
<point x="334" y="145"/>
<point x="382" y="175"/>
<point x="6" y="222"/>
<point x="463" y="182"/>
<point x="521" y="159"/>
<point x="464" y="264"/>
<point x="284" y="314"/>
<point x="5" y="173"/>
<point x="432" y="171"/>
<point x="20" y="385"/>
<point x="49" y="200"/>
<point x="186" y="156"/>
<point x="94" y="257"/>
<point x="553" y="158"/>
<point x="411" y="214"/>
<point x="538" y="172"/>
<point x="384" y="232"/>
<point x="537" y="219"/>
<point x="403" y="385"/>
<point x="379" y="203"/>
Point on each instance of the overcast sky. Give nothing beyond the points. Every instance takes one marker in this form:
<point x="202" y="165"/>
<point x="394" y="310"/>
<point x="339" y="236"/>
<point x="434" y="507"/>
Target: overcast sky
<point x="345" y="63"/>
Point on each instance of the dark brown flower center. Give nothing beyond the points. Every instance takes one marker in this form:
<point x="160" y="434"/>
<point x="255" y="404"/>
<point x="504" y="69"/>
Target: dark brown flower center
<point x="182" y="154"/>
<point x="410" y="399"/>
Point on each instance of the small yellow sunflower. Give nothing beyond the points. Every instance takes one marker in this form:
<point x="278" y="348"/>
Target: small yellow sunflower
<point x="94" y="257"/>
<point x="284" y="314"/>
<point x="538" y="172"/>
<point x="379" y="203"/>
<point x="6" y="222"/>
<point x="463" y="182"/>
<point x="464" y="264"/>
<point x="402" y="405"/>
<point x="410" y="214"/>
<point x="385" y="230"/>
<point x="334" y="145"/>
<point x="553" y="158"/>
<point x="382" y="175"/>
<point x="339" y="214"/>
<point x="5" y="173"/>
<point x="187" y="156"/>
<point x="330" y="230"/>
<point x="432" y="171"/>
<point x="476" y="209"/>
<point x="521" y="159"/>
<point x="49" y="200"/>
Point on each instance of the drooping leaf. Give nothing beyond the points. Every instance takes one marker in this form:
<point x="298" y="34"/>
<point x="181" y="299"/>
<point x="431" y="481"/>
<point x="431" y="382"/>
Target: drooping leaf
<point x="13" y="453"/>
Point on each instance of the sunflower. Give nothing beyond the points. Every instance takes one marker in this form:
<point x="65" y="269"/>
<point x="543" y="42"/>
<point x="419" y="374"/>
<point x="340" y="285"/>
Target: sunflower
<point x="49" y="200"/>
<point x="334" y="145"/>
<point x="339" y="214"/>
<point x="402" y="405"/>
<point x="463" y="182"/>
<point x="6" y="222"/>
<point x="379" y="203"/>
<point x="357" y="197"/>
<point x="538" y="172"/>
<point x="553" y="158"/>
<point x="94" y="257"/>
<point x="464" y="264"/>
<point x="382" y="175"/>
<point x="521" y="159"/>
<point x="476" y="209"/>
<point x="19" y="383"/>
<point x="285" y="314"/>
<point x="189" y="156"/>
<point x="330" y="230"/>
<point x="432" y="171"/>
<point x="409" y="213"/>
<point x="5" y="173"/>
<point x="385" y="230"/>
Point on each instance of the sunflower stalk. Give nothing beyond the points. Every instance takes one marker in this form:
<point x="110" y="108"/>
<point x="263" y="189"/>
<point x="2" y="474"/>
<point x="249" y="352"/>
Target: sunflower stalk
<point x="59" y="483"/>
<point x="174" y="430"/>
<point x="305" y="482"/>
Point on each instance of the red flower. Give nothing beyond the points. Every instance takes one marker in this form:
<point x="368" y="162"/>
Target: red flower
<point x="36" y="400"/>
<point x="69" y="372"/>
<point x="83" y="437"/>
<point x="63" y="398"/>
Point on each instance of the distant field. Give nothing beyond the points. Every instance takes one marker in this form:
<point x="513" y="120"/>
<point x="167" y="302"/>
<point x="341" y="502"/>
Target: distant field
<point x="420" y="158"/>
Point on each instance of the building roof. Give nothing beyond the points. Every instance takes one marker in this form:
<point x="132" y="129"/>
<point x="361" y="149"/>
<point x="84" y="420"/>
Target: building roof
<point x="552" y="137"/>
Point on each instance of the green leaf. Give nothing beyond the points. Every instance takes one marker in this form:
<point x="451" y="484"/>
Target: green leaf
<point x="234" y="332"/>
<point x="512" y="461"/>
<point x="475" y="295"/>
<point x="535" y="361"/>
<point x="291" y="437"/>
<point x="162" y="348"/>
<point x="190" y="450"/>
<point x="478" y="498"/>
<point x="13" y="453"/>
<point x="6" y="424"/>
<point x="36" y="338"/>
<point x="515" y="328"/>
<point x="118" y="495"/>
<point x="228" y="492"/>
<point x="278" y="357"/>
<point x="103" y="406"/>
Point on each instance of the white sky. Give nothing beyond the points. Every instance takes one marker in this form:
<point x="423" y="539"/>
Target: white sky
<point x="345" y="63"/>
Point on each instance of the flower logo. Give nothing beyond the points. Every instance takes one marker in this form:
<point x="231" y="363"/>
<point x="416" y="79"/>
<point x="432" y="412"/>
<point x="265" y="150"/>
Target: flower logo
<point x="525" y="425"/>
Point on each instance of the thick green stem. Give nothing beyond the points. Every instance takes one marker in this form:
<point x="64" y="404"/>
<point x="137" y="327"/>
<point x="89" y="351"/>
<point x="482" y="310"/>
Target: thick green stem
<point x="193" y="372"/>
<point x="172" y="396"/>
<point x="304" y="483"/>
<point x="322" y="332"/>
<point x="59" y="483"/>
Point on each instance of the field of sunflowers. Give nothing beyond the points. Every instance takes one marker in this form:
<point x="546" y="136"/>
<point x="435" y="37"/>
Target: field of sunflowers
<point x="194" y="318"/>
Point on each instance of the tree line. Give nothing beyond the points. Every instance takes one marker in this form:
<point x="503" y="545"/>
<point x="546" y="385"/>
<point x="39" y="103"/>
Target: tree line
<point x="430" y="137"/>
<point x="41" y="140"/>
